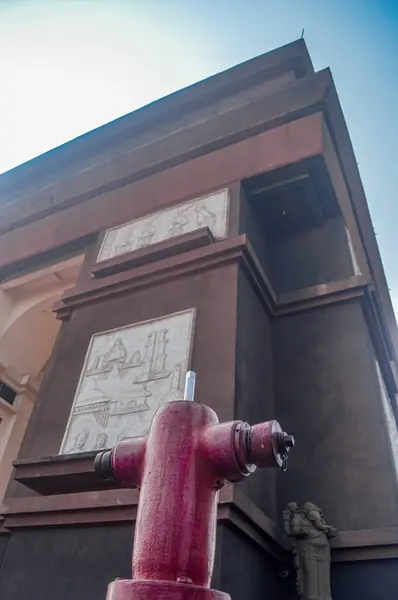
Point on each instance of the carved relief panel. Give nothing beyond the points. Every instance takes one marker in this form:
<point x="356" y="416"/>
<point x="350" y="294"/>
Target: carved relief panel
<point x="128" y="373"/>
<point x="210" y="211"/>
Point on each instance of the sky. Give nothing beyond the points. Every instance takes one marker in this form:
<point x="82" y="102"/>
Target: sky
<point x="69" y="66"/>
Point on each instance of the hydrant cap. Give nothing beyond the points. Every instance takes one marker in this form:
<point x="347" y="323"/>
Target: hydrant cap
<point x="103" y="465"/>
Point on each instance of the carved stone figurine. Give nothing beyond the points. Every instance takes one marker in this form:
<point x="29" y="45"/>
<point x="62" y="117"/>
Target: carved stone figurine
<point x="101" y="441"/>
<point x="80" y="441"/>
<point x="311" y="550"/>
<point x="177" y="225"/>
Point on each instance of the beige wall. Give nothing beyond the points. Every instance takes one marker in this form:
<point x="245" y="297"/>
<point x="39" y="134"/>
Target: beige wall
<point x="12" y="428"/>
<point x="28" y="329"/>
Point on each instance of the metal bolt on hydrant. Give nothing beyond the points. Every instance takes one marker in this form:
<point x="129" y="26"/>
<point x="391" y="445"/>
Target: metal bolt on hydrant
<point x="179" y="466"/>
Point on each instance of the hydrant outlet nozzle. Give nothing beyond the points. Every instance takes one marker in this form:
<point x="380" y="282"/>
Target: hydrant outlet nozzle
<point x="103" y="465"/>
<point x="268" y="445"/>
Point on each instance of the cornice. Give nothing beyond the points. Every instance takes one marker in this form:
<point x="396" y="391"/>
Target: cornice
<point x="291" y="57"/>
<point x="234" y="508"/>
<point x="237" y="124"/>
<point x="166" y="269"/>
<point x="158" y="251"/>
<point x="235" y="250"/>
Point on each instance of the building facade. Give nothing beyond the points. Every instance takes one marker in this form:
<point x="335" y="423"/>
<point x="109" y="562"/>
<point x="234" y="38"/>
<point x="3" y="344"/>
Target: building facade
<point x="223" y="228"/>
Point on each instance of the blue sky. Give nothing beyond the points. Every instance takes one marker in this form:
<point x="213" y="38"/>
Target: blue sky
<point x="68" y="66"/>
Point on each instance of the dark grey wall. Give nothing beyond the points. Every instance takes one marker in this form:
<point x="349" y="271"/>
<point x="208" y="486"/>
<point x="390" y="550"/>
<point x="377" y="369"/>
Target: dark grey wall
<point x="310" y="257"/>
<point x="79" y="562"/>
<point x="359" y="580"/>
<point x="4" y="539"/>
<point x="73" y="562"/>
<point x="254" y="394"/>
<point x="327" y="394"/>
<point x="247" y="571"/>
<point x="250" y="224"/>
<point x="365" y="580"/>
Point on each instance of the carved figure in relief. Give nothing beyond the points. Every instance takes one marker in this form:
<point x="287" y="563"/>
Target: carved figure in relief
<point x="147" y="234"/>
<point x="101" y="441"/>
<point x="177" y="225"/>
<point x="204" y="217"/>
<point x="80" y="441"/>
<point x="311" y="551"/>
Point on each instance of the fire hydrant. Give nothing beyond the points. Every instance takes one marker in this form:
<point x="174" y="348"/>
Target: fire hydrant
<point x="179" y="466"/>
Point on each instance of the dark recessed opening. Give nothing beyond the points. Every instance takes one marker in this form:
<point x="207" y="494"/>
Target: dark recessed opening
<point x="7" y="393"/>
<point x="295" y="226"/>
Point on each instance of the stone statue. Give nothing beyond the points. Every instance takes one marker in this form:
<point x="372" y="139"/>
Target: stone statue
<point x="311" y="550"/>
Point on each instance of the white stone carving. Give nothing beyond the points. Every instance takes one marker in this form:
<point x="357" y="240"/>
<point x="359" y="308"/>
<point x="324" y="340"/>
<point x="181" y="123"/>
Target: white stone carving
<point x="354" y="261"/>
<point x="128" y="373"/>
<point x="210" y="211"/>
<point x="389" y="418"/>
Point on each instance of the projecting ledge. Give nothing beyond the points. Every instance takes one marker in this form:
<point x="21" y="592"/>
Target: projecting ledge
<point x="62" y="474"/>
<point x="149" y="254"/>
<point x="234" y="509"/>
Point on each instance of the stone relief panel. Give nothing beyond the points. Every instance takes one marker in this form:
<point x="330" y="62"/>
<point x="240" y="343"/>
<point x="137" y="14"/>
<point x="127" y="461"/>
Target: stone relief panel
<point x="128" y="373"/>
<point x="210" y="211"/>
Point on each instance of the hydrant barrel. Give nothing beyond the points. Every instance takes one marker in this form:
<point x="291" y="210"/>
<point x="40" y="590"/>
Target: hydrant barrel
<point x="175" y="529"/>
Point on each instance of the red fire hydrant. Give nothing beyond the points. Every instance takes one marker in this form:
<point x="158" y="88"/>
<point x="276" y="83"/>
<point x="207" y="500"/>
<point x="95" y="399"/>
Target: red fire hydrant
<point x="179" y="466"/>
